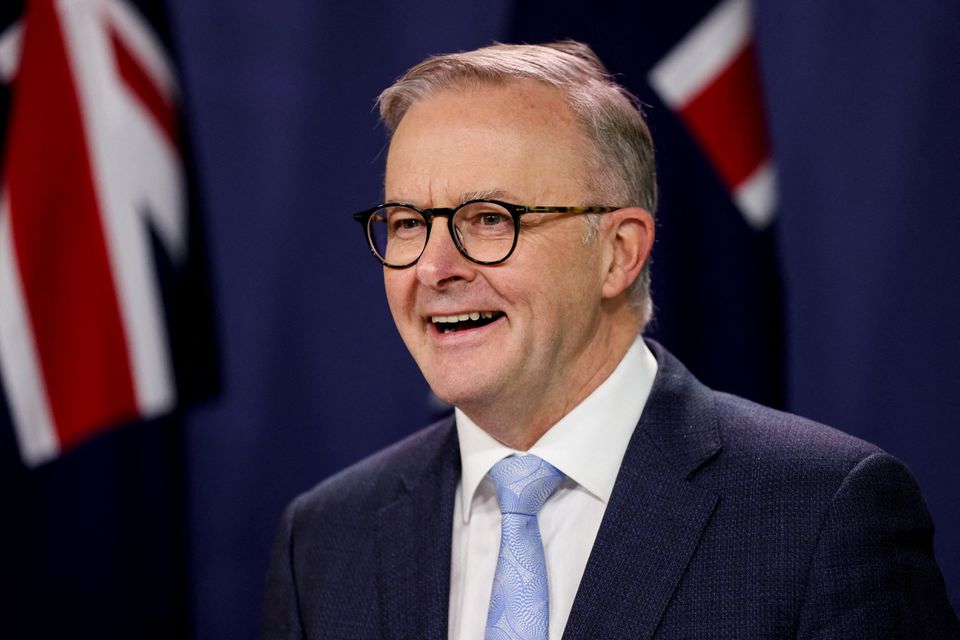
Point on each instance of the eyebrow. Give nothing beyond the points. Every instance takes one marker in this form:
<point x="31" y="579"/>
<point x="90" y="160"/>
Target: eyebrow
<point x="486" y="194"/>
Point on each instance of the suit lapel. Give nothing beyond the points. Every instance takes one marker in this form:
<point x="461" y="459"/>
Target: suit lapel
<point x="413" y="544"/>
<point x="655" y="516"/>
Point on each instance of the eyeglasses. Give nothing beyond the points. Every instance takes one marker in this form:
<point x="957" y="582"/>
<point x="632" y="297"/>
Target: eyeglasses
<point x="484" y="231"/>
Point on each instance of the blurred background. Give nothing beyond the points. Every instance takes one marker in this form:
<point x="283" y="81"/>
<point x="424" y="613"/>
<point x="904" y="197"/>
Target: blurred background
<point x="840" y="302"/>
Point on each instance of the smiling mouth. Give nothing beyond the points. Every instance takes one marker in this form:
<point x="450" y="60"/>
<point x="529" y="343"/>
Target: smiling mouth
<point x="464" y="321"/>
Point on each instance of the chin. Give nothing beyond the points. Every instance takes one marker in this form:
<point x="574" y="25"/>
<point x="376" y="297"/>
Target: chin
<point x="453" y="397"/>
<point x="460" y="393"/>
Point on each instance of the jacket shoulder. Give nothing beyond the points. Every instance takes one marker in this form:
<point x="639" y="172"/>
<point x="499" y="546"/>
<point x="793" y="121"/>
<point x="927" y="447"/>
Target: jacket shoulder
<point x="322" y="580"/>
<point x="375" y="481"/>
<point x="753" y="435"/>
<point x="699" y="430"/>
<point x="827" y="534"/>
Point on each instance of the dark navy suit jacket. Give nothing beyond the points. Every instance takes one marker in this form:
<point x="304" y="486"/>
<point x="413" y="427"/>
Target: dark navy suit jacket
<point x="727" y="520"/>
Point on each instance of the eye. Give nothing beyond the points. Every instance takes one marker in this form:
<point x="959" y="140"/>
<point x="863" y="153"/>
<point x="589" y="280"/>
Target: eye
<point x="484" y="218"/>
<point x="403" y="219"/>
<point x="493" y="218"/>
<point x="408" y="223"/>
<point x="403" y="222"/>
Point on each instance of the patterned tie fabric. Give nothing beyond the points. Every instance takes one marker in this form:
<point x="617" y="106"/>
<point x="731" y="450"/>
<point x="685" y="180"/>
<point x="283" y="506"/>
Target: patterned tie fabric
<point x="518" y="604"/>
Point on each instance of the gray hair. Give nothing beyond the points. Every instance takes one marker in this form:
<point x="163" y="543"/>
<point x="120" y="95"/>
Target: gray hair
<point x="621" y="159"/>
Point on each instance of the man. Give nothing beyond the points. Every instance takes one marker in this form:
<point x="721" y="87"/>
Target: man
<point x="588" y="486"/>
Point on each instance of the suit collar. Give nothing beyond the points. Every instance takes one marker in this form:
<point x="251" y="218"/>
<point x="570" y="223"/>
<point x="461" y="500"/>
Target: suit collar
<point x="656" y="515"/>
<point x="414" y="539"/>
<point x="680" y="418"/>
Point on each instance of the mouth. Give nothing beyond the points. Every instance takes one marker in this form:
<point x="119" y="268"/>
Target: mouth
<point x="464" y="321"/>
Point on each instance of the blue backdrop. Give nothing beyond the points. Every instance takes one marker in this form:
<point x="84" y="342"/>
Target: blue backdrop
<point x="845" y="310"/>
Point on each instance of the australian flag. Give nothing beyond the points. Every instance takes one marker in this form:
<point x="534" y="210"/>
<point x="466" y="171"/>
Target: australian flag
<point x="104" y="317"/>
<point x="94" y="213"/>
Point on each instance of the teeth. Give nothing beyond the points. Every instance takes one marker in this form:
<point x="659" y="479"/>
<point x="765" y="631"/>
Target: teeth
<point x="462" y="317"/>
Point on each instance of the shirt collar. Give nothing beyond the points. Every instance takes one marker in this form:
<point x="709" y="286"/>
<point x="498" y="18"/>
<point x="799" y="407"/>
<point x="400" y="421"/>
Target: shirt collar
<point x="573" y="444"/>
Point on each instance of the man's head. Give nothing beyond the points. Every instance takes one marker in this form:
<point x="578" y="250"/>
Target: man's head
<point x="532" y="126"/>
<point x="621" y="157"/>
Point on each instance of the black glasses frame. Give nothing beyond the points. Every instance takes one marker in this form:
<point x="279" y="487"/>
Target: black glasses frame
<point x="516" y="211"/>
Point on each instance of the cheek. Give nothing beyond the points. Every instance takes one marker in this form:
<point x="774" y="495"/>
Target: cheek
<point x="396" y="290"/>
<point x="573" y="285"/>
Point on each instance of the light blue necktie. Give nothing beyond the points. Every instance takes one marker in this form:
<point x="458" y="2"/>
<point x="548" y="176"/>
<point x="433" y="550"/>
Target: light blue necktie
<point x="518" y="604"/>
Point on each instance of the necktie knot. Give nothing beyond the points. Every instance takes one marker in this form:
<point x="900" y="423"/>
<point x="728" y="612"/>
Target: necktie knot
<point x="523" y="483"/>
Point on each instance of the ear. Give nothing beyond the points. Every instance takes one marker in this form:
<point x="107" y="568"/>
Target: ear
<point x="629" y="239"/>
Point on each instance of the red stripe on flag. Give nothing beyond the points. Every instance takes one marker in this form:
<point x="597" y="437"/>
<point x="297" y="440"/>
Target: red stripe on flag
<point x="59" y="242"/>
<point x="142" y="86"/>
<point x="727" y="119"/>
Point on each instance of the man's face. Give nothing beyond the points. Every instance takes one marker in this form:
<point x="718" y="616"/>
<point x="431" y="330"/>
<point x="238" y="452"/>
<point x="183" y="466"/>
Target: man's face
<point x="518" y="143"/>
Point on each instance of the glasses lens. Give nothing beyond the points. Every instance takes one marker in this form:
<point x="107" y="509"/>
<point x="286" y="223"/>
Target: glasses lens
<point x="485" y="230"/>
<point x="398" y="234"/>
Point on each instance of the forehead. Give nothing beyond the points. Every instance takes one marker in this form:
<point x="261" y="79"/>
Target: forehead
<point x="520" y="138"/>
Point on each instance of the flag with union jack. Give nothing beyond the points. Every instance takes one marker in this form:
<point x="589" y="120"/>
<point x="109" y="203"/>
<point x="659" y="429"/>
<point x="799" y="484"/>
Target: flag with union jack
<point x="98" y="244"/>
<point x="710" y="79"/>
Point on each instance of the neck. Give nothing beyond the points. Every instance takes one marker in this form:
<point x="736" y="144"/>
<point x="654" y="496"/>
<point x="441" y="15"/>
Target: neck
<point x="521" y="422"/>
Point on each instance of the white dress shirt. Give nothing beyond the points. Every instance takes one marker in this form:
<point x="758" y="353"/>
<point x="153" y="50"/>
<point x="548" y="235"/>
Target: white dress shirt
<point x="587" y="445"/>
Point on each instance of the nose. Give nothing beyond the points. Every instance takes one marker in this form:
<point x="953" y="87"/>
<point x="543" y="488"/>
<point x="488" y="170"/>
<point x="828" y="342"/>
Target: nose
<point x="441" y="263"/>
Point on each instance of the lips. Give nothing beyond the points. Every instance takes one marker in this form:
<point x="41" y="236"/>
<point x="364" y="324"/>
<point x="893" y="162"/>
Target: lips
<point x="462" y="321"/>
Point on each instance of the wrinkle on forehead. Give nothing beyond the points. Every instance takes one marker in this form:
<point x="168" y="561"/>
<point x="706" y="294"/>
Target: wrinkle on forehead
<point x="519" y="140"/>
